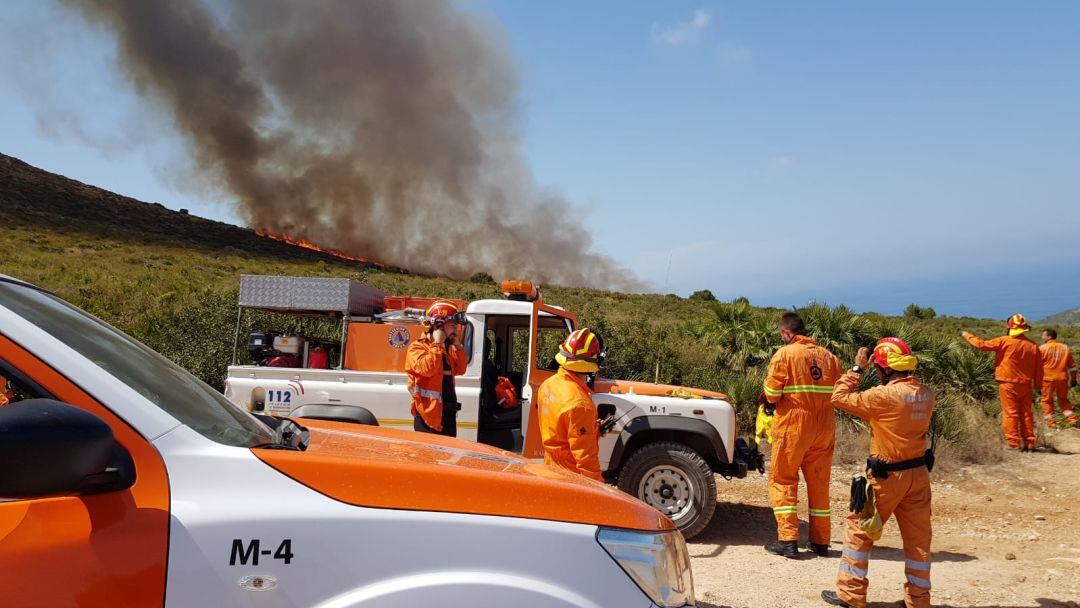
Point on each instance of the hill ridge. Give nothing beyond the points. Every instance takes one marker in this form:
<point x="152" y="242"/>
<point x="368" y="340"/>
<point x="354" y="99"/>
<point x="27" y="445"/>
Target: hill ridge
<point x="33" y="197"/>
<point x="1065" y="317"/>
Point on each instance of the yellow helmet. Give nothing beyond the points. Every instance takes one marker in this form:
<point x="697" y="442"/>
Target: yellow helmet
<point x="580" y="352"/>
<point x="1018" y="325"/>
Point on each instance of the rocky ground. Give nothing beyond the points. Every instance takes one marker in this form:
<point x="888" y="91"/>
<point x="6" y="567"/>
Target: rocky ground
<point x="1005" y="535"/>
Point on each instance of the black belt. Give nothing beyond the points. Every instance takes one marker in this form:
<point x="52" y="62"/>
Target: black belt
<point x="881" y="468"/>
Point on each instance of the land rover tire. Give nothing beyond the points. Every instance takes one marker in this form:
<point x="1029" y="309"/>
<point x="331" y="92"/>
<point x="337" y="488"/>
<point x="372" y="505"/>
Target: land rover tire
<point x="675" y="480"/>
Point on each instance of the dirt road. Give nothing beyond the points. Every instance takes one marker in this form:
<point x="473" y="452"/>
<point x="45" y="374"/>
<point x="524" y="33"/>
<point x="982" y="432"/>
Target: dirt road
<point x="1005" y="535"/>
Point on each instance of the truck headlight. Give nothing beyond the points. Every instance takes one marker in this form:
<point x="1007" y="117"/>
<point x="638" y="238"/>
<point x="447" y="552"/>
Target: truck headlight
<point x="657" y="562"/>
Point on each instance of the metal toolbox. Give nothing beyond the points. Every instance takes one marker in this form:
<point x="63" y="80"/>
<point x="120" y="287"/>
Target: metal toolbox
<point x="311" y="295"/>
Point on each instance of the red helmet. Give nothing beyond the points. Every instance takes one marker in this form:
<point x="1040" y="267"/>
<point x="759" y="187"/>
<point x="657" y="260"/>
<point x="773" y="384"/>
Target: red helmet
<point x="580" y="352"/>
<point x="1018" y="325"/>
<point x="1018" y="321"/>
<point x="895" y="354"/>
<point x="441" y="312"/>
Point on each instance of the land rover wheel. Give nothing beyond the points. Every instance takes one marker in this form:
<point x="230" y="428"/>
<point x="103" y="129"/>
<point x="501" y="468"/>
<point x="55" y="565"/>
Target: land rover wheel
<point x="675" y="480"/>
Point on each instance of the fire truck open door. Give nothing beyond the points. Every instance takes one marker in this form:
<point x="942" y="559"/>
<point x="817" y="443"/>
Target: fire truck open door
<point x="536" y="374"/>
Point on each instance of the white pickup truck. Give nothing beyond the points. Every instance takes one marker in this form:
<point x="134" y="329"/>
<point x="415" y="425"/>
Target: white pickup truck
<point x="125" y="481"/>
<point x="664" y="448"/>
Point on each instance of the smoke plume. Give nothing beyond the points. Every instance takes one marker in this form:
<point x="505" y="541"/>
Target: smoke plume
<point x="382" y="128"/>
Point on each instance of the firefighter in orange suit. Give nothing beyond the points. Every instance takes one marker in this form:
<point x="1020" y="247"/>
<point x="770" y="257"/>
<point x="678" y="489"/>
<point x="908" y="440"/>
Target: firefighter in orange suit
<point x="568" y="417"/>
<point x="899" y="412"/>
<point x="1059" y="374"/>
<point x="1018" y="368"/>
<point x="799" y="384"/>
<point x="5" y="397"/>
<point x="431" y="364"/>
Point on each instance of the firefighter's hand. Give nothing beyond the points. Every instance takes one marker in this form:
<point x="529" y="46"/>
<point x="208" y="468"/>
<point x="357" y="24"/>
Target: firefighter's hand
<point x="438" y="335"/>
<point x="966" y="334"/>
<point x="862" y="359"/>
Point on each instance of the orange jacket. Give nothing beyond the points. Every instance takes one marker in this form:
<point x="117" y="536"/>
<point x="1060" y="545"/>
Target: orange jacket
<point x="898" y="413"/>
<point x="568" y="425"/>
<point x="801" y="376"/>
<point x="505" y="393"/>
<point x="4" y="398"/>
<point x="1016" y="358"/>
<point x="424" y="366"/>
<point x="1058" y="362"/>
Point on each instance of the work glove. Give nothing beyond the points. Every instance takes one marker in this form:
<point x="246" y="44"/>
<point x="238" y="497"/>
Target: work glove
<point x="763" y="426"/>
<point x="858" y="494"/>
<point x="763" y="402"/>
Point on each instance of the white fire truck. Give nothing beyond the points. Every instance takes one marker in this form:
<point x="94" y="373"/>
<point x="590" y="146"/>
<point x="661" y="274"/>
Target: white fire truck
<point x="665" y="445"/>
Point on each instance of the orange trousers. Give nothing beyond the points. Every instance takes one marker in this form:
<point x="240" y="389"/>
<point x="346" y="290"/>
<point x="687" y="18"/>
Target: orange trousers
<point x="802" y="444"/>
<point x="905" y="494"/>
<point x="1017" y="419"/>
<point x="1060" y="388"/>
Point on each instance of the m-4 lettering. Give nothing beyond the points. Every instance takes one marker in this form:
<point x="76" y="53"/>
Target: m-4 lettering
<point x="245" y="553"/>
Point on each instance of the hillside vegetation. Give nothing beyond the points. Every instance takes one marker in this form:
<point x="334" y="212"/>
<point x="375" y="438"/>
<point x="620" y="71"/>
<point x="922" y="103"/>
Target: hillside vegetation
<point x="1068" y="317"/>
<point x="171" y="279"/>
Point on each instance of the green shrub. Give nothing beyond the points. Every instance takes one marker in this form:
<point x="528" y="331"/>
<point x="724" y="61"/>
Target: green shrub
<point x="180" y="299"/>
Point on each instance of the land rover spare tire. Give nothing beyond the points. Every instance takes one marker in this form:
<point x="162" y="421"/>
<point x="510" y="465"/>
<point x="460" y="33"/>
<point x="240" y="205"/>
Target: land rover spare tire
<point x="675" y="480"/>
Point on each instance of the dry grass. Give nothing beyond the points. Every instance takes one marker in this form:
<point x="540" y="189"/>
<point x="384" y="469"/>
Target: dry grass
<point x="852" y="442"/>
<point x="979" y="441"/>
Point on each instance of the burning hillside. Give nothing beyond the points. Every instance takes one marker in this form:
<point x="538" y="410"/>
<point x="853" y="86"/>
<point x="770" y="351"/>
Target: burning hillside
<point x="284" y="238"/>
<point x="31" y="198"/>
<point x="384" y="128"/>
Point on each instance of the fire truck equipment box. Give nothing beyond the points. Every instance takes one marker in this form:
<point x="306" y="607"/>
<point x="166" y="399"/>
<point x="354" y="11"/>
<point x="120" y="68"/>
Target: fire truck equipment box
<point x="310" y="295"/>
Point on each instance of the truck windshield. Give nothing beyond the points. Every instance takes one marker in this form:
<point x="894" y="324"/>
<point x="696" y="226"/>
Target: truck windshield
<point x="167" y="385"/>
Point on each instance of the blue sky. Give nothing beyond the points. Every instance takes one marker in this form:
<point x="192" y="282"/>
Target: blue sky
<point x="867" y="154"/>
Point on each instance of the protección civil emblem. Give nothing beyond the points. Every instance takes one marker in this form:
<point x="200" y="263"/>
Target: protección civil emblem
<point x="399" y="337"/>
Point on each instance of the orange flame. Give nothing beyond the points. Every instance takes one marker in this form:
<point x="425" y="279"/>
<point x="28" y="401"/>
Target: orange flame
<point x="284" y="238"/>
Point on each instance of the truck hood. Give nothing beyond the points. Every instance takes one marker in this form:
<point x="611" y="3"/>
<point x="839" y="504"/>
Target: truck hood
<point x="393" y="469"/>
<point x="626" y="387"/>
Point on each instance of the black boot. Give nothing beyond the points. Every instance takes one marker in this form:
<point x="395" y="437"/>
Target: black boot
<point x="819" y="550"/>
<point x="832" y="599"/>
<point x="784" y="548"/>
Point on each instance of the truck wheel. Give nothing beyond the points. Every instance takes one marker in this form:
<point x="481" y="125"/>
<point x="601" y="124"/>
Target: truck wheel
<point x="675" y="480"/>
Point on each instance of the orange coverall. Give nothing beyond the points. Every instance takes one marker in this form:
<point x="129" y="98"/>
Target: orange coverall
<point x="800" y="382"/>
<point x="1018" y="368"/>
<point x="899" y="416"/>
<point x="424" y="367"/>
<point x="1058" y="368"/>
<point x="568" y="424"/>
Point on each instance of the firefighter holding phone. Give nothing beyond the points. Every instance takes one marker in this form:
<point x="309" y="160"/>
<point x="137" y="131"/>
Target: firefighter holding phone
<point x="431" y="364"/>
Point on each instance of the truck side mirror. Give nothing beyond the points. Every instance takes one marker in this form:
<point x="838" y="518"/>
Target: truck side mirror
<point x="49" y="448"/>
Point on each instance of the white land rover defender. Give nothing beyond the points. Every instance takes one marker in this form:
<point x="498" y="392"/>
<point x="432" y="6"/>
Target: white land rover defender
<point x="664" y="446"/>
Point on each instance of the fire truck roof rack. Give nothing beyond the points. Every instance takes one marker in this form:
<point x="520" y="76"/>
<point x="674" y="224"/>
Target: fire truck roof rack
<point x="314" y="296"/>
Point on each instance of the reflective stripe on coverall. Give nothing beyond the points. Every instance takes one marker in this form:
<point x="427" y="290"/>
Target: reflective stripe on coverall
<point x="568" y="425"/>
<point x="800" y="381"/>
<point x="1018" y="368"/>
<point x="424" y="367"/>
<point x="1058" y="368"/>
<point x="899" y="416"/>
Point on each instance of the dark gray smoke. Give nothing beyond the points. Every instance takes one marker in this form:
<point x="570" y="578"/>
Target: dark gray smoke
<point x="383" y="128"/>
